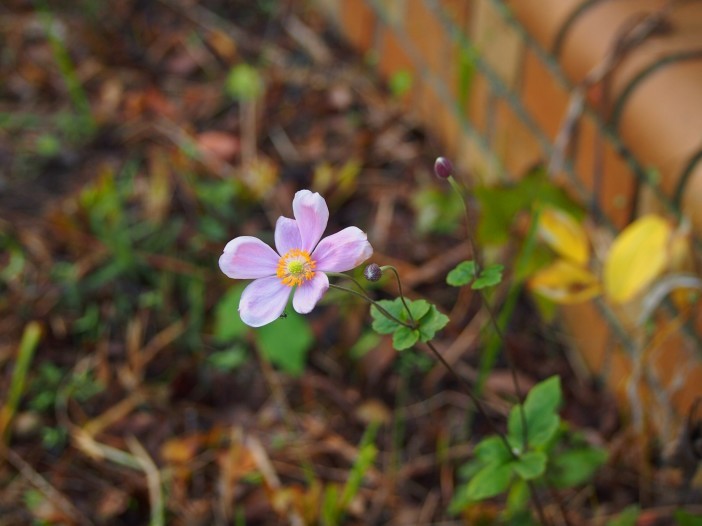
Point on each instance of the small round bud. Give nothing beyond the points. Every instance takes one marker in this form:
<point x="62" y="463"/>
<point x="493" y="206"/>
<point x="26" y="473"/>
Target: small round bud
<point x="443" y="168"/>
<point x="372" y="272"/>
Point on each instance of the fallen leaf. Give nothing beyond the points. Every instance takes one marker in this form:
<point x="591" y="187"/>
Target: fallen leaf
<point x="565" y="282"/>
<point x="637" y="256"/>
<point x="564" y="235"/>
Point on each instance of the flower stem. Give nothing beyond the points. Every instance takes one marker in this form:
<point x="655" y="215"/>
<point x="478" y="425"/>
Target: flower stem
<point x="402" y="296"/>
<point x="382" y="310"/>
<point x="456" y="186"/>
<point x="476" y="401"/>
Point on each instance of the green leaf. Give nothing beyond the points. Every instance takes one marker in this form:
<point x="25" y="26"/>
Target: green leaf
<point x="492" y="480"/>
<point x="429" y="319"/>
<point x="489" y="276"/>
<point x="418" y="308"/>
<point x="228" y="325"/>
<point x="544" y="396"/>
<point x="432" y="322"/>
<point x="286" y="342"/>
<point x="383" y="324"/>
<point x="502" y="204"/>
<point x="517" y="499"/>
<point x="627" y="517"/>
<point x="530" y="465"/>
<point x="492" y="450"/>
<point x="575" y="466"/>
<point x="404" y="338"/>
<point x="684" y="518"/>
<point x="462" y="274"/>
<point x="540" y="413"/>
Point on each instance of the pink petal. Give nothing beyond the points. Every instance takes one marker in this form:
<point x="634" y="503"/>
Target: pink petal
<point x="246" y="257"/>
<point x="310" y="292"/>
<point x="342" y="251"/>
<point x="263" y="301"/>
<point x="287" y="235"/>
<point x="311" y="212"/>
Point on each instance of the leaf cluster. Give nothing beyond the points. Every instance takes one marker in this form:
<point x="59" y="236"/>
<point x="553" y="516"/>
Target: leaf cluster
<point x="418" y="321"/>
<point x="468" y="273"/>
<point x="543" y="452"/>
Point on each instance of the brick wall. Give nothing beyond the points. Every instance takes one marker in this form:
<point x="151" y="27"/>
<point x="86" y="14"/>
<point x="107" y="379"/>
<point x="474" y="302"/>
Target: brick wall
<point x="493" y="79"/>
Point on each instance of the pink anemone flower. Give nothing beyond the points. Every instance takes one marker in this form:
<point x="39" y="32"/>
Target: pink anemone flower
<point x="300" y="262"/>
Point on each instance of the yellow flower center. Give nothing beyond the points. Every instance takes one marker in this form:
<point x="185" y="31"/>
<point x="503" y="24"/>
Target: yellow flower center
<point x="295" y="267"/>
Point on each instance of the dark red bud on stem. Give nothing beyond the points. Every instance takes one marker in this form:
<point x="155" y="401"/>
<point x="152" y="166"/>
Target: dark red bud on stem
<point x="372" y="272"/>
<point x="443" y="168"/>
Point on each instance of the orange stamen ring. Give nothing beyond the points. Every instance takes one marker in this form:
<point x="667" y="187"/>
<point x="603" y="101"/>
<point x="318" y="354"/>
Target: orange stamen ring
<point x="295" y="267"/>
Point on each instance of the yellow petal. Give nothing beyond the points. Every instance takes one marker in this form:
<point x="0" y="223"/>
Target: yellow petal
<point x="637" y="256"/>
<point x="564" y="235"/>
<point x="565" y="282"/>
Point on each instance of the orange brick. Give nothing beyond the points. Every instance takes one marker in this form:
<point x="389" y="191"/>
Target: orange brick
<point x="428" y="36"/>
<point x="499" y="44"/>
<point x="514" y="144"/>
<point x="543" y="96"/>
<point x="691" y="202"/>
<point x="473" y="160"/>
<point x="429" y="104"/>
<point x="617" y="181"/>
<point x="441" y="117"/>
<point x="358" y="21"/>
<point x="450" y="129"/>
<point x="394" y="58"/>
<point x="330" y="8"/>
<point x="458" y="11"/>
<point x="589" y="333"/>
<point x="393" y="11"/>
<point x="479" y="92"/>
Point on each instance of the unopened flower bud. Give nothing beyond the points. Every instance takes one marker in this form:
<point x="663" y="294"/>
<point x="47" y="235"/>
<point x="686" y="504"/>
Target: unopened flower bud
<point x="443" y="168"/>
<point x="372" y="272"/>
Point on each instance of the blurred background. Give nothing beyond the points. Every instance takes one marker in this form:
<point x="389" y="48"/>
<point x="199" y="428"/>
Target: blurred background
<point x="138" y="137"/>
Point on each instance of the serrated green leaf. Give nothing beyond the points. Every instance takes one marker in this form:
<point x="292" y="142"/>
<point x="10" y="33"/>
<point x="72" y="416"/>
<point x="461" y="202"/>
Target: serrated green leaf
<point x="530" y="465"/>
<point x="432" y="322"/>
<point x="462" y="274"/>
<point x="492" y="480"/>
<point x="418" y="308"/>
<point x="540" y="412"/>
<point x="404" y="338"/>
<point x="489" y="277"/>
<point x="381" y="323"/>
<point x="541" y="426"/>
<point x="544" y="396"/>
<point x="424" y="313"/>
<point x="492" y="450"/>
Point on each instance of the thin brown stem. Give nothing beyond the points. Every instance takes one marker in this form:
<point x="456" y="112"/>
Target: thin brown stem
<point x="476" y="401"/>
<point x="399" y="287"/>
<point x="493" y="319"/>
<point x="383" y="311"/>
<point x="510" y="363"/>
